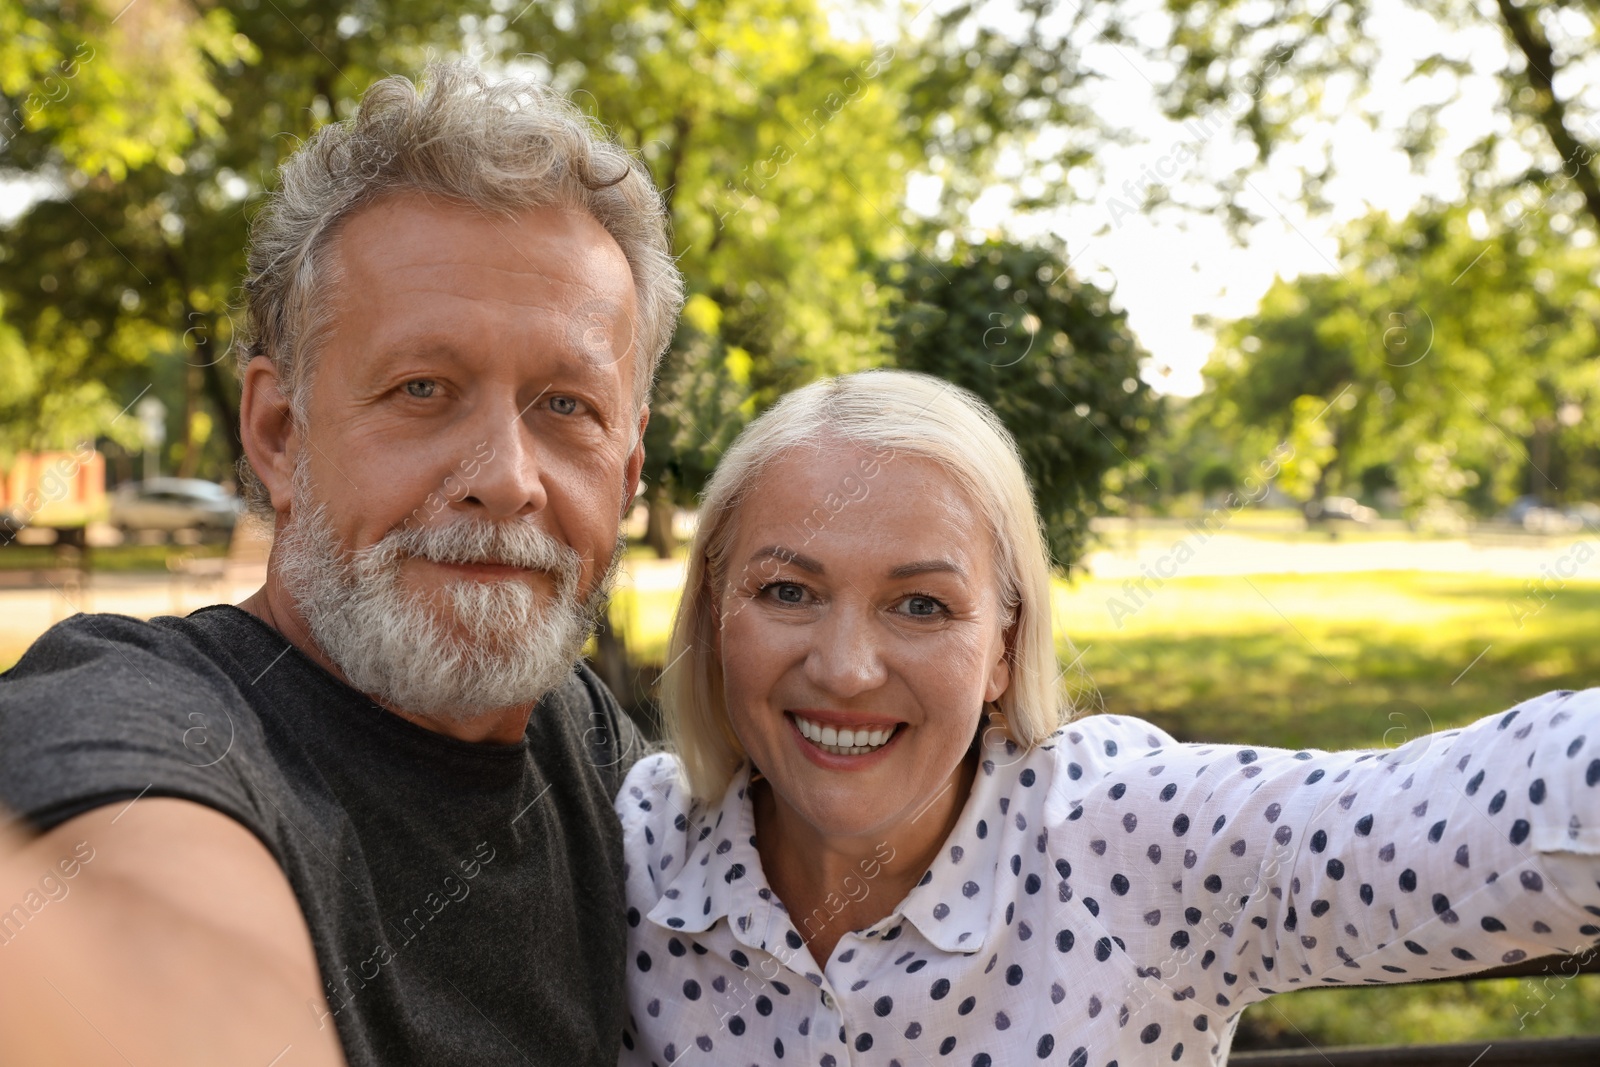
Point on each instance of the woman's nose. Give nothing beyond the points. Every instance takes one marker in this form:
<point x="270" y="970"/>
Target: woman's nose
<point x="845" y="660"/>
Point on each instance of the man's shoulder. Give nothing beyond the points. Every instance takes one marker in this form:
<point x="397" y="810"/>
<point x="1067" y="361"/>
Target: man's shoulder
<point x="85" y="646"/>
<point x="582" y="714"/>
<point x="102" y="642"/>
<point x="104" y="707"/>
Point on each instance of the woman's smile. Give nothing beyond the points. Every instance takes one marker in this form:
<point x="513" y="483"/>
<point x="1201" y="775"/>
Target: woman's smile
<point x="843" y="740"/>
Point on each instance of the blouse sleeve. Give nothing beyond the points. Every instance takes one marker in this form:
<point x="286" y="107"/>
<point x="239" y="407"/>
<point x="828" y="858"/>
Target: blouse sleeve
<point x="1457" y="852"/>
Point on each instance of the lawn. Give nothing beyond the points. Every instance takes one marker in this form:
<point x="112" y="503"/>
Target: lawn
<point x="1330" y="661"/>
<point x="117" y="559"/>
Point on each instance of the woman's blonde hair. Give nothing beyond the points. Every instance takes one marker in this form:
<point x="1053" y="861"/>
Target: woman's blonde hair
<point x="891" y="414"/>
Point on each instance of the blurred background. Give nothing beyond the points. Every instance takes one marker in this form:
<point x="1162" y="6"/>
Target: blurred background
<point x="1292" y="307"/>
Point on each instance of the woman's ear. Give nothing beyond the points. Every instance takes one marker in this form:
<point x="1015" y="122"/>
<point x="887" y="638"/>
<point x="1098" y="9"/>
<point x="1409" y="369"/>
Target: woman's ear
<point x="1000" y="674"/>
<point x="999" y="677"/>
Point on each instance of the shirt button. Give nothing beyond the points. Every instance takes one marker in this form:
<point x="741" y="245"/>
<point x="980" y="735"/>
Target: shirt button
<point x="827" y="1000"/>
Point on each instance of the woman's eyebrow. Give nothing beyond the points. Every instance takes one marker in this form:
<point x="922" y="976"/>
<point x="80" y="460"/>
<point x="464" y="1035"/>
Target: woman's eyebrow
<point x="926" y="566"/>
<point x="785" y="555"/>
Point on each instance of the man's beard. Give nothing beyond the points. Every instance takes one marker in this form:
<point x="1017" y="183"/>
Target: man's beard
<point x="470" y="648"/>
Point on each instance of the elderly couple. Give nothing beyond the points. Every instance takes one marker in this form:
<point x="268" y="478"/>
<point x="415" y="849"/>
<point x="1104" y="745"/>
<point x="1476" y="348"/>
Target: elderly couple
<point x="381" y="814"/>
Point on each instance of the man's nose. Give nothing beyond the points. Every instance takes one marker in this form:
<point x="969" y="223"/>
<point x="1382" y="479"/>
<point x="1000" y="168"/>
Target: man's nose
<point x="505" y="472"/>
<point x="845" y="660"/>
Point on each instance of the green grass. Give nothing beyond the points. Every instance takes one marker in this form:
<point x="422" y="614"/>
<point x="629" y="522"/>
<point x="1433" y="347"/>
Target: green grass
<point x="1330" y="661"/>
<point x="1326" y="661"/>
<point x="1438" y="1013"/>
<point x="118" y="559"/>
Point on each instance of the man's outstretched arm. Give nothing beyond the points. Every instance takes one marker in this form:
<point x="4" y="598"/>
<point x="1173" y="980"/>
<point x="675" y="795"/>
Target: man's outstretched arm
<point x="160" y="932"/>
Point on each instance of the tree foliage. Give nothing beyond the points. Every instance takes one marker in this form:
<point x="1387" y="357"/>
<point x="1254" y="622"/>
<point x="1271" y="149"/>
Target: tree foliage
<point x="784" y="148"/>
<point x="1053" y="358"/>
<point x="1278" y="71"/>
<point x="108" y="88"/>
<point x="1460" y="361"/>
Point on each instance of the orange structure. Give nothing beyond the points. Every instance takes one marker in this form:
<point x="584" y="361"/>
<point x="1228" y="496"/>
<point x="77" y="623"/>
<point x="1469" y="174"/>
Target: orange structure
<point x="61" y="490"/>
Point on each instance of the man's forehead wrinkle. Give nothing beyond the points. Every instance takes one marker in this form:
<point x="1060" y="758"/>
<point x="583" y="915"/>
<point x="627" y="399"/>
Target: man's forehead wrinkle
<point x="454" y="267"/>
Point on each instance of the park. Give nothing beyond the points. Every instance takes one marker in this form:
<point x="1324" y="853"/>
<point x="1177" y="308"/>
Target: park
<point x="1292" y="309"/>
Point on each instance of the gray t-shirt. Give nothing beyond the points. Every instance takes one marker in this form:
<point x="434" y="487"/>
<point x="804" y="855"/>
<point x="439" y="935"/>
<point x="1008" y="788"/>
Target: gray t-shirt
<point x="465" y="900"/>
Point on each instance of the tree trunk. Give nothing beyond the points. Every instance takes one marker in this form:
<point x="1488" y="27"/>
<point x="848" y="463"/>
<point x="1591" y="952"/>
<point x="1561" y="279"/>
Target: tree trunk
<point x="611" y="661"/>
<point x="1539" y="445"/>
<point x="201" y="329"/>
<point x="658" y="525"/>
<point x="1325" y="476"/>
<point x="191" y="405"/>
<point x="1552" y="111"/>
<point x="220" y="392"/>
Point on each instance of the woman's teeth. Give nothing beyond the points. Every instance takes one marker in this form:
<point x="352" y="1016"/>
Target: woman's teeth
<point x="856" y="742"/>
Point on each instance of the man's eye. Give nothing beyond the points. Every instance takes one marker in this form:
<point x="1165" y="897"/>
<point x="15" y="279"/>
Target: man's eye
<point x="421" y="388"/>
<point x="563" y="405"/>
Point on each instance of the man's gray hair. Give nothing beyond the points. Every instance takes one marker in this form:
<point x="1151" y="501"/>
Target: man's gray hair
<point x="499" y="146"/>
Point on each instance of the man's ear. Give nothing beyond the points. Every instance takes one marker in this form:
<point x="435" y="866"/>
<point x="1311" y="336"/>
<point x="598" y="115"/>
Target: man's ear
<point x="267" y="430"/>
<point x="635" y="466"/>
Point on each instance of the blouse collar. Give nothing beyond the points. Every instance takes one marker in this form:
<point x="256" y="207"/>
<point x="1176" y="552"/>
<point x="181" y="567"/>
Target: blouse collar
<point x="954" y="905"/>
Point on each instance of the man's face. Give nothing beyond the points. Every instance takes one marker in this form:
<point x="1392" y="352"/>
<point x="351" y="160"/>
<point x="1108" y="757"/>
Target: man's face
<point x="467" y="363"/>
<point x="473" y="391"/>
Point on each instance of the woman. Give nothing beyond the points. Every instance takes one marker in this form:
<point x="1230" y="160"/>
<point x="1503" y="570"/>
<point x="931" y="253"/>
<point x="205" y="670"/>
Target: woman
<point x="878" y="843"/>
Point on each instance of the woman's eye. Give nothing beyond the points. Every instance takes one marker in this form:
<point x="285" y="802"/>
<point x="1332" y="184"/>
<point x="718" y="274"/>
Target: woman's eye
<point x="788" y="592"/>
<point x="421" y="388"/>
<point x="922" y="606"/>
<point x="563" y="405"/>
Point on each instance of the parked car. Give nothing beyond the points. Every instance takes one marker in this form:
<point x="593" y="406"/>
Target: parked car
<point x="1342" y="508"/>
<point x="1585" y="516"/>
<point x="170" y="504"/>
<point x="1528" y="513"/>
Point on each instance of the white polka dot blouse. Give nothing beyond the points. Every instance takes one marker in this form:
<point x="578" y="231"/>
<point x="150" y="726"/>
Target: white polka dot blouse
<point x="1114" y="897"/>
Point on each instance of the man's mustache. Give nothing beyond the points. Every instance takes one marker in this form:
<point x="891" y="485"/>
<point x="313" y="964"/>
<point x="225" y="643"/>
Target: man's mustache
<point x="507" y="544"/>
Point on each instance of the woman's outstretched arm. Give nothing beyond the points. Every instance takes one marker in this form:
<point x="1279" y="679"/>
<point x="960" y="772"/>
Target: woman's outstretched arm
<point x="1278" y="870"/>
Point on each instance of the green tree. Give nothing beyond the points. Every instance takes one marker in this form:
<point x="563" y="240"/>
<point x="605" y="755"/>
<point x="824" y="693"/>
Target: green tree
<point x="784" y="149"/>
<point x="1462" y="363"/>
<point x="123" y="275"/>
<point x="778" y="148"/>
<point x="88" y="101"/>
<point x="1053" y="358"/>
<point x="782" y="145"/>
<point x="1266" y="69"/>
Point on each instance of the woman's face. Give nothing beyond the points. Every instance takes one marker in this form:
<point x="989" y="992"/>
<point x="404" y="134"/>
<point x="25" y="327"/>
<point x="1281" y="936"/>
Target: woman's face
<point x="860" y="596"/>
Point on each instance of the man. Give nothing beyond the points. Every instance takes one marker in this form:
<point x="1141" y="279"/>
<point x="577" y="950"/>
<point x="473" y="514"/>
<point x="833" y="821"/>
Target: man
<point x="365" y="816"/>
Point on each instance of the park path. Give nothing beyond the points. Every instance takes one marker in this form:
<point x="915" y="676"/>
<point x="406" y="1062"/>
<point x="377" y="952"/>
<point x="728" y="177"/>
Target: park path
<point x="1187" y="554"/>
